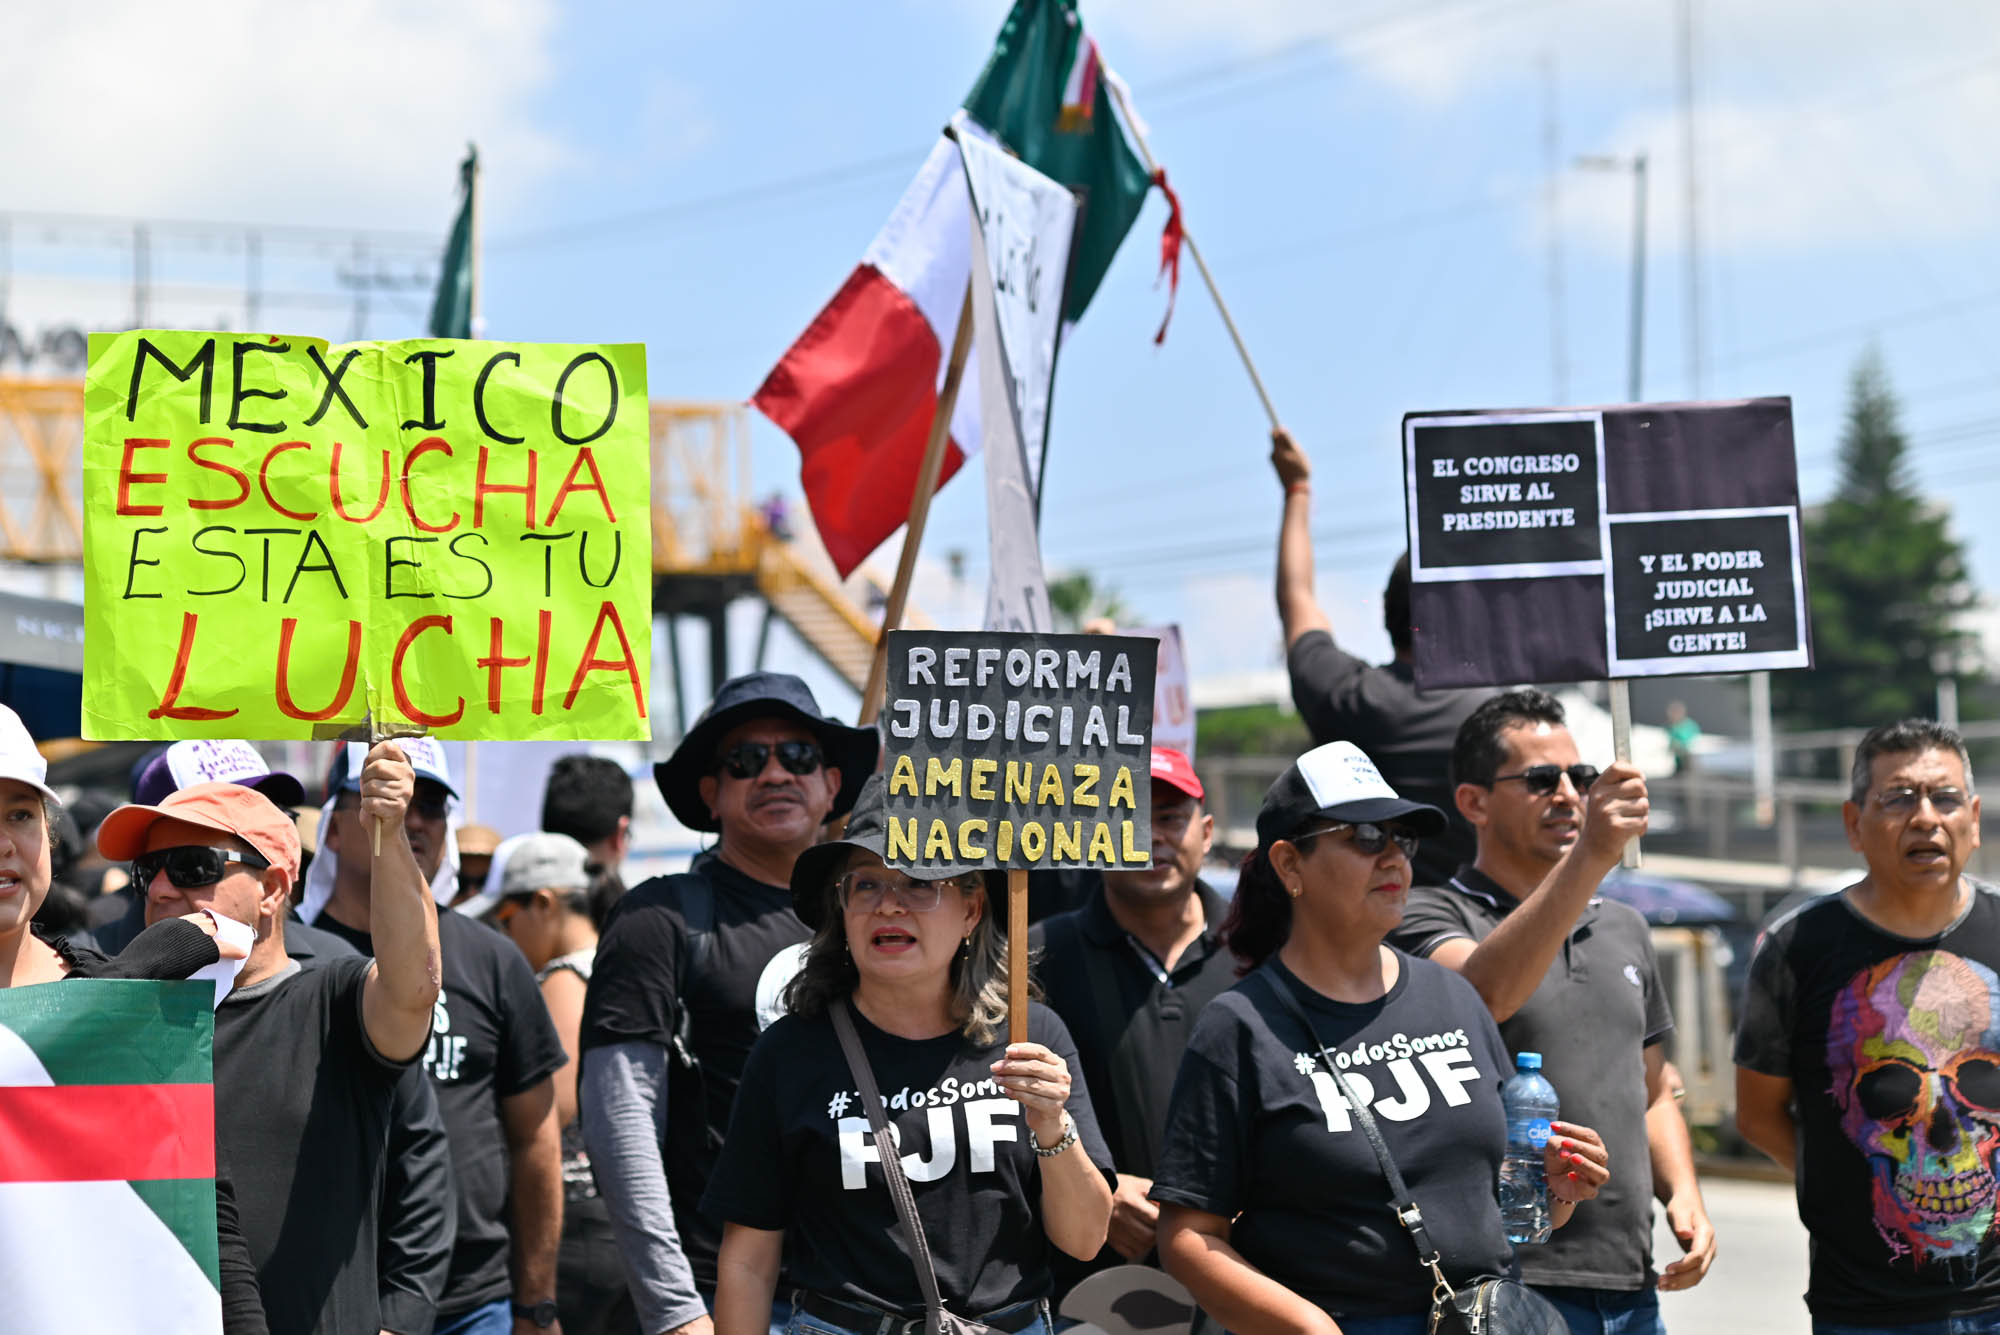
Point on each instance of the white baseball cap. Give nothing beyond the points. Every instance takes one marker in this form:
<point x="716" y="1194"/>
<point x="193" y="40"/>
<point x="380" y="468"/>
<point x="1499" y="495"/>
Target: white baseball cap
<point x="19" y="760"/>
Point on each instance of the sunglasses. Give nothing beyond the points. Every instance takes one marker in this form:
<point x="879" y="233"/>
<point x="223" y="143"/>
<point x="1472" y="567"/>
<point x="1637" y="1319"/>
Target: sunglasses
<point x="191" y="866"/>
<point x="1370" y="839"/>
<point x="746" y="760"/>
<point x="864" y="891"/>
<point x="1541" y="780"/>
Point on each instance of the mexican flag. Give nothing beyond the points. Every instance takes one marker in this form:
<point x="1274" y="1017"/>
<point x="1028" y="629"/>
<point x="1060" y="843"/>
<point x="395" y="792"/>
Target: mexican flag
<point x="107" y="1158"/>
<point x="858" y="390"/>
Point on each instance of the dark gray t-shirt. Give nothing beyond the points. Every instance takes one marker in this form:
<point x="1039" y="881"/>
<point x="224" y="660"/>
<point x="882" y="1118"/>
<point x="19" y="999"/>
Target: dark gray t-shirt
<point x="302" y="1104"/>
<point x="1408" y="733"/>
<point x="1258" y="1132"/>
<point x="1600" y="1006"/>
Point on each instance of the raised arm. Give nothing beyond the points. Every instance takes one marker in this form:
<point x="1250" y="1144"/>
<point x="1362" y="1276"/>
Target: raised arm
<point x="1298" y="605"/>
<point x="1509" y="964"/>
<point x="404" y="979"/>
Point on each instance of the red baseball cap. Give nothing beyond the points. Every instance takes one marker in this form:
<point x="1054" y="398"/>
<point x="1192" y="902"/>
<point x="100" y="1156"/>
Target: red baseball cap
<point x="1171" y="767"/>
<point x="226" y="808"/>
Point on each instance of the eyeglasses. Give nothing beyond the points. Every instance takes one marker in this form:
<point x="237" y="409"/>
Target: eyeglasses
<point x="746" y="760"/>
<point x="863" y="891"/>
<point x="191" y="866"/>
<point x="1370" y="839"/>
<point x="1904" y="801"/>
<point x="1541" y="780"/>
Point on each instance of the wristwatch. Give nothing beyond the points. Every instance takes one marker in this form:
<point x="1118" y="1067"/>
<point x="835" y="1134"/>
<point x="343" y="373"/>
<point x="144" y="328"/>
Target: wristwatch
<point x="543" y="1313"/>
<point x="1068" y="1139"/>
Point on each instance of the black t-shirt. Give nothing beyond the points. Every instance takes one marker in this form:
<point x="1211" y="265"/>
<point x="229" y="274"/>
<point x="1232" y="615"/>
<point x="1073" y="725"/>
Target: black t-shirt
<point x="491" y="1038"/>
<point x="1893" y="1049"/>
<point x="1257" y="1126"/>
<point x="302" y="1114"/>
<point x="799" y="1149"/>
<point x="636" y="992"/>
<point x="1592" y="1017"/>
<point x="1407" y="732"/>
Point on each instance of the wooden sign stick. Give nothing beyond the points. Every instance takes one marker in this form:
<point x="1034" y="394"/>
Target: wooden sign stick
<point x="920" y="508"/>
<point x="1017" y="955"/>
<point x="1621" y="750"/>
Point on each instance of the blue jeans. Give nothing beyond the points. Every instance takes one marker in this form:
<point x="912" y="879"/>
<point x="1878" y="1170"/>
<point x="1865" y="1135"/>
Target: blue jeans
<point x="1606" y="1311"/>
<point x="1968" y="1323"/>
<point x="804" y="1324"/>
<point x="495" y="1318"/>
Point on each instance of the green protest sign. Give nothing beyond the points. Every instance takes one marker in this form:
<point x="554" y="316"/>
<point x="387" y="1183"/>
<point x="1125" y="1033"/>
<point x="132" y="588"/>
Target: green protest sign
<point x="281" y="535"/>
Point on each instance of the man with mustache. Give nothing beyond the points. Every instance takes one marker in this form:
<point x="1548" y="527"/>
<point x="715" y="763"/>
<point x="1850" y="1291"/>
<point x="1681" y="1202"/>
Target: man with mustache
<point x="688" y="972"/>
<point x="1868" y="1052"/>
<point x="1573" y="977"/>
<point x="493" y="1050"/>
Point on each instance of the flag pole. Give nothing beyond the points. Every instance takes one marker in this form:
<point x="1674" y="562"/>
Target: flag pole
<point x="472" y="206"/>
<point x="920" y="508"/>
<point x="1187" y="239"/>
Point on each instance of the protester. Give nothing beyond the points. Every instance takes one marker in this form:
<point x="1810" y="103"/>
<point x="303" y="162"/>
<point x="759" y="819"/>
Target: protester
<point x="1274" y="1211"/>
<point x="589" y="799"/>
<point x="176" y="949"/>
<point x="1868" y="1046"/>
<point x="492" y="1054"/>
<point x="1129" y="973"/>
<point x="1572" y="976"/>
<point x="171" y="768"/>
<point x="689" y="972"/>
<point x="921" y="967"/>
<point x="545" y="908"/>
<point x="476" y="844"/>
<point x="1407" y="732"/>
<point x="306" y="1061"/>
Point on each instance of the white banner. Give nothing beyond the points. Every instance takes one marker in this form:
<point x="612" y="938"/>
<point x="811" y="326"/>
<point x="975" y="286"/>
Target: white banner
<point x="1173" y="698"/>
<point x="1022" y="224"/>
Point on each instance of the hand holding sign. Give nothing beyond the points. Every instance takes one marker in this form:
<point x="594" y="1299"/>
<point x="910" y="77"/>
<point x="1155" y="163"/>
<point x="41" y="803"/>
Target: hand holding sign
<point x="1288" y="459"/>
<point x="1614" y="813"/>
<point x="388" y="782"/>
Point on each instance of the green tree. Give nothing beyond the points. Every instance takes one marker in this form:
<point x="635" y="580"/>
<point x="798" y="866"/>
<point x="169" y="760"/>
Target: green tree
<point x="1075" y="599"/>
<point x="1888" y="580"/>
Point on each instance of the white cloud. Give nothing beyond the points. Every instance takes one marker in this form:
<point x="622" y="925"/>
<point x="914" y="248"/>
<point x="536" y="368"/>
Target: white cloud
<point x="350" y="113"/>
<point x="1819" y="125"/>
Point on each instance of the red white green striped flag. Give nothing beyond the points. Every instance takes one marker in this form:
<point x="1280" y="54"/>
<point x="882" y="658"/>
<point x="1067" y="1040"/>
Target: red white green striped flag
<point x="107" y="1158"/>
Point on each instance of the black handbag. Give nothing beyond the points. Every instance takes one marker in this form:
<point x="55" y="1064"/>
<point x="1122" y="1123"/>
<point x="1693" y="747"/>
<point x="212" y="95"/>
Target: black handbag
<point x="937" y="1320"/>
<point x="1489" y="1305"/>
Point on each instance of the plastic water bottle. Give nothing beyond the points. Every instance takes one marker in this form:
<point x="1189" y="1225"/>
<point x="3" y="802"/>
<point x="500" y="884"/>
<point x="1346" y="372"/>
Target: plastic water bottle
<point x="1530" y="1101"/>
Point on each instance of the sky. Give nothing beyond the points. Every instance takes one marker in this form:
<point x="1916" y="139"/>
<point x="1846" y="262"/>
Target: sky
<point x="1371" y="183"/>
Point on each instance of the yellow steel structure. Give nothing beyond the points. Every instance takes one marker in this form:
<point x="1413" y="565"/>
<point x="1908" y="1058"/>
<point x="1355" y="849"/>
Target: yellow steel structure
<point x="709" y="541"/>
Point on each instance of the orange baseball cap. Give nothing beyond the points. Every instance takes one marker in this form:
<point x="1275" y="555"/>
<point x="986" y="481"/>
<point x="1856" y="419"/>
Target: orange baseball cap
<point x="226" y="808"/>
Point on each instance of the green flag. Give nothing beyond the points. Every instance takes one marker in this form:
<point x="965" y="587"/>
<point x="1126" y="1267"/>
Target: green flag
<point x="451" y="311"/>
<point x="1044" y="94"/>
<point x="107" y="1149"/>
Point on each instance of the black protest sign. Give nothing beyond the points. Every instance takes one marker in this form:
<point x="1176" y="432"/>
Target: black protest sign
<point x="1019" y="751"/>
<point x="1645" y="540"/>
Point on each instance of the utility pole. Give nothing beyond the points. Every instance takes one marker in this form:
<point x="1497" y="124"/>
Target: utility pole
<point x="1636" y="347"/>
<point x="1691" y="199"/>
<point x="1552" y="205"/>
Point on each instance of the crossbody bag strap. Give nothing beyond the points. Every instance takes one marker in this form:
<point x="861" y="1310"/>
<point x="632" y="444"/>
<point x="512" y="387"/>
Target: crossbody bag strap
<point x="1401" y="1201"/>
<point x="891" y="1159"/>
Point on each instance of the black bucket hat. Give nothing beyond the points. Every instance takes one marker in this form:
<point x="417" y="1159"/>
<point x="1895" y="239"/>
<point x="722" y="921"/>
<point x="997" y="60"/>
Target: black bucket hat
<point x="1337" y="782"/>
<point x="867" y="828"/>
<point x="752" y="696"/>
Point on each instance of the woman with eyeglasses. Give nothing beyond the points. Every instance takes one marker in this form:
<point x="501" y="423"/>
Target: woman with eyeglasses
<point x="1274" y="1210"/>
<point x="998" y="1142"/>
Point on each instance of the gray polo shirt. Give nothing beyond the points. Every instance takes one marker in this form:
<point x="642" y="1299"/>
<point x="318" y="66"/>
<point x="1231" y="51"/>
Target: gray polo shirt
<point x="1592" y="1017"/>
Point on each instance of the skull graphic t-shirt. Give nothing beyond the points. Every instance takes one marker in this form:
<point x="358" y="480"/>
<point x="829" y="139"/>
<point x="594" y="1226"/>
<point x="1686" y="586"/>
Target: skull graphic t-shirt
<point x="1892" y="1046"/>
